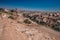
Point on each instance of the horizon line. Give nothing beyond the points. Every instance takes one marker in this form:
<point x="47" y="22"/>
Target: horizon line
<point x="35" y="9"/>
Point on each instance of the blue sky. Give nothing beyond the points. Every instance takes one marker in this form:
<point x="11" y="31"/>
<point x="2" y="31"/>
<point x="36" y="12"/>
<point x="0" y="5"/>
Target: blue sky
<point x="32" y="4"/>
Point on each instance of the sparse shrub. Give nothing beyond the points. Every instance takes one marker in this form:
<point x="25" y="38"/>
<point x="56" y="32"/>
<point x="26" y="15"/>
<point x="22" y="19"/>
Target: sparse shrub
<point x="12" y="10"/>
<point x="11" y="17"/>
<point x="37" y="22"/>
<point x="27" y="21"/>
<point x="30" y="17"/>
<point x="42" y="23"/>
<point x="25" y="15"/>
<point x="56" y="27"/>
<point x="10" y="13"/>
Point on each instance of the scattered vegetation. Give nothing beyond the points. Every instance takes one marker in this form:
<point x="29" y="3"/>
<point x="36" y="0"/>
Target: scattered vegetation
<point x="56" y="27"/>
<point x="36" y="18"/>
<point x="12" y="10"/>
<point x="11" y="17"/>
<point x="25" y="15"/>
<point x="51" y="23"/>
<point x="10" y="13"/>
<point x="27" y="21"/>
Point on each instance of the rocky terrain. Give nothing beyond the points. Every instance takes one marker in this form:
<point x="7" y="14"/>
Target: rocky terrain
<point x="29" y="25"/>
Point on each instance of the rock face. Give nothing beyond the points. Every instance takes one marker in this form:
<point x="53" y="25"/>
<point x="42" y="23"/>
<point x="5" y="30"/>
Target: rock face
<point x="16" y="29"/>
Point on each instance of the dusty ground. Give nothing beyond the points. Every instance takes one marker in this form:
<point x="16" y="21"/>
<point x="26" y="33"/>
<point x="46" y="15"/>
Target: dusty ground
<point x="11" y="30"/>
